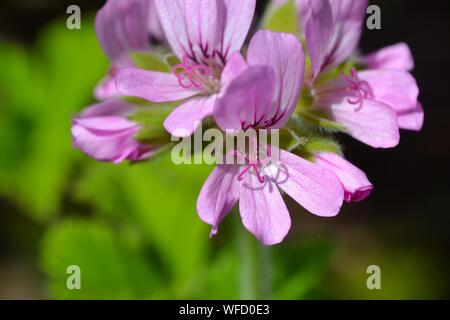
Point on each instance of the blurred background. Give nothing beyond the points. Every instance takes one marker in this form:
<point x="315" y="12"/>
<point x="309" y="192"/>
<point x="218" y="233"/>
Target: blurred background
<point x="134" y="230"/>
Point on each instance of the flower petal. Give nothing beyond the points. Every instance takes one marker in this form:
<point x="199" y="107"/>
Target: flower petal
<point x="192" y="27"/>
<point x="412" y="119"/>
<point x="183" y="121"/>
<point x="122" y="26"/>
<point x="239" y="16"/>
<point x="348" y="18"/>
<point x="374" y="122"/>
<point x="319" y="33"/>
<point x="151" y="85"/>
<point x="398" y="89"/>
<point x="395" y="57"/>
<point x="218" y="196"/>
<point x="247" y="99"/>
<point x="105" y="138"/>
<point x="356" y="185"/>
<point x="110" y="107"/>
<point x="316" y="189"/>
<point x="106" y="88"/>
<point x="263" y="211"/>
<point x="284" y="53"/>
<point x="204" y="29"/>
<point x="235" y="66"/>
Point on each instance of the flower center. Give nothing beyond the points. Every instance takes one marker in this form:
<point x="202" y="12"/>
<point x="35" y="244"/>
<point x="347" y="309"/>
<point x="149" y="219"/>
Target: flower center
<point x="362" y="88"/>
<point x="253" y="162"/>
<point x="191" y="75"/>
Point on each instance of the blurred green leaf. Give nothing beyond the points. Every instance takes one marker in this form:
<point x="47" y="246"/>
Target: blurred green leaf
<point x="45" y="85"/>
<point x="110" y="267"/>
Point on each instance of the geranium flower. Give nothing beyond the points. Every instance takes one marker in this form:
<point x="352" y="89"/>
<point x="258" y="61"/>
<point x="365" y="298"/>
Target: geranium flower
<point x="203" y="35"/>
<point x="122" y="27"/>
<point x="264" y="96"/>
<point x="366" y="103"/>
<point x="103" y="132"/>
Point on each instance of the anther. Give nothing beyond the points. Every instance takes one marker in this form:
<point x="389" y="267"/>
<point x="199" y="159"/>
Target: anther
<point x="189" y="72"/>
<point x="362" y="88"/>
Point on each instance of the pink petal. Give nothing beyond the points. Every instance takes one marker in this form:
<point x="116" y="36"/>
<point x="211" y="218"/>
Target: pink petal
<point x="122" y="26"/>
<point x="191" y="26"/>
<point x="398" y="89"/>
<point x="106" y="89"/>
<point x="349" y="19"/>
<point x="201" y="29"/>
<point x="247" y="100"/>
<point x="218" y="196"/>
<point x="151" y="85"/>
<point x="239" y="16"/>
<point x="319" y="33"/>
<point x="412" y="119"/>
<point x="235" y="66"/>
<point x="374" y="123"/>
<point x="110" y="107"/>
<point x="263" y="211"/>
<point x="395" y="57"/>
<point x="356" y="185"/>
<point x="183" y="121"/>
<point x="284" y="53"/>
<point x="105" y="138"/>
<point x="316" y="189"/>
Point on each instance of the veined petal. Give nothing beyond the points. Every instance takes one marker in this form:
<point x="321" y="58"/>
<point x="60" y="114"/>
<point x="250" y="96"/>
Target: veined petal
<point x="412" y="119"/>
<point x="239" y="16"/>
<point x="183" y="121"/>
<point x="319" y="33"/>
<point x="398" y="89"/>
<point x="263" y="211"/>
<point x="192" y="27"/>
<point x="316" y="189"/>
<point x="218" y="196"/>
<point x="205" y="29"/>
<point x="356" y="185"/>
<point x="395" y="57"/>
<point x="122" y="26"/>
<point x="348" y="19"/>
<point x="151" y="85"/>
<point x="247" y="99"/>
<point x="284" y="53"/>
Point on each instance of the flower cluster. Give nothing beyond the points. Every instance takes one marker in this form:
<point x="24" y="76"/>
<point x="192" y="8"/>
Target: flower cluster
<point x="176" y="64"/>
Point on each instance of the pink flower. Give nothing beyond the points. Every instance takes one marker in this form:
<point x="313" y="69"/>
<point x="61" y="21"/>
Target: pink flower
<point x="203" y="35"/>
<point x="124" y="26"/>
<point x="372" y="105"/>
<point x="264" y="95"/>
<point x="103" y="132"/>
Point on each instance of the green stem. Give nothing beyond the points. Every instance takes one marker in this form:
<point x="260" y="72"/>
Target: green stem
<point x="255" y="282"/>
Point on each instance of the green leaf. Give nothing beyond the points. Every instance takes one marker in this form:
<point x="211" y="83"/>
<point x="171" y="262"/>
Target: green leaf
<point x="283" y="18"/>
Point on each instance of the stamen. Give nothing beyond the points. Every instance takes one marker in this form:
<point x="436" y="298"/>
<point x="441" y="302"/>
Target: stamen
<point x="362" y="88"/>
<point x="253" y="163"/>
<point x="188" y="71"/>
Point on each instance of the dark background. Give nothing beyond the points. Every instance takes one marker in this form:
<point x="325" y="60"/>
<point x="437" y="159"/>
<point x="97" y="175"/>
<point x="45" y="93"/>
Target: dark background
<point x="409" y="206"/>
